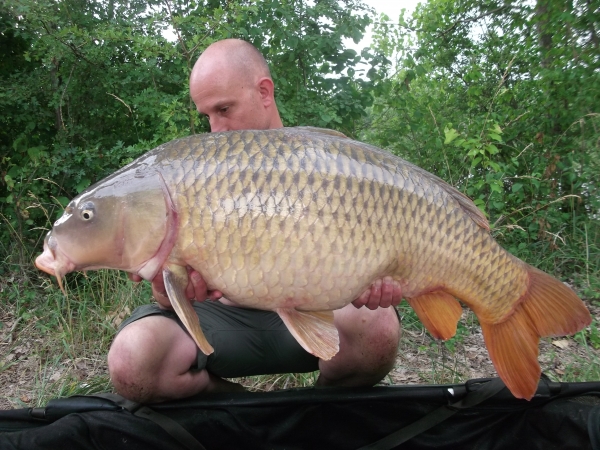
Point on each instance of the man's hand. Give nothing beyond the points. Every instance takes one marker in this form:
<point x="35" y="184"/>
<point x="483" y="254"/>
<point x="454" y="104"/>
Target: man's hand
<point x="195" y="290"/>
<point x="383" y="293"/>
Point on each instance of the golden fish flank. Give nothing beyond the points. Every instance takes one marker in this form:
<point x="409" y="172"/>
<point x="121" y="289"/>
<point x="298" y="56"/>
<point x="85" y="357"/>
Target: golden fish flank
<point x="274" y="252"/>
<point x="302" y="222"/>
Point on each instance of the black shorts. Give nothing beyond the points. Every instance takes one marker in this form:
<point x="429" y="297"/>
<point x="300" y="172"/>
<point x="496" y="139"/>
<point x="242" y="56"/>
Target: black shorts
<point x="246" y="341"/>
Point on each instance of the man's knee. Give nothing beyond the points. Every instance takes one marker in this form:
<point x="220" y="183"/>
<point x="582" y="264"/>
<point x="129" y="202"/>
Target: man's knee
<point x="377" y="329"/>
<point x="368" y="347"/>
<point x="389" y="329"/>
<point x="140" y="358"/>
<point x="382" y="339"/>
<point x="128" y="362"/>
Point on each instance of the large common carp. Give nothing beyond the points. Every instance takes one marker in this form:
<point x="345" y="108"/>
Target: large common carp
<point x="302" y="221"/>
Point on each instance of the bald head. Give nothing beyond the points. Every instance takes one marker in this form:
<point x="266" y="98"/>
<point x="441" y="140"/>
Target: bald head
<point x="231" y="84"/>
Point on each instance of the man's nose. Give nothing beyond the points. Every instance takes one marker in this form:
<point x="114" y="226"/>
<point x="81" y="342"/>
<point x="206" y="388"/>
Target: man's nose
<point x="217" y="125"/>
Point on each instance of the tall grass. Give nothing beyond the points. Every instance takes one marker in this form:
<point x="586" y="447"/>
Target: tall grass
<point x="62" y="340"/>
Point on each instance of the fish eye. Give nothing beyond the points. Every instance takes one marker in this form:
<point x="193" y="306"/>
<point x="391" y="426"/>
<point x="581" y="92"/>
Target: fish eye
<point x="87" y="211"/>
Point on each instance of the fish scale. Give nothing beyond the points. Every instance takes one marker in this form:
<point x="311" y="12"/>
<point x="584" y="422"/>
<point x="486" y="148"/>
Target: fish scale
<point x="304" y="221"/>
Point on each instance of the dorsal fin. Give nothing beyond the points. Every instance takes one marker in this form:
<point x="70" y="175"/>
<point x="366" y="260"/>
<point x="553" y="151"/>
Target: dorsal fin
<point x="322" y="131"/>
<point x="469" y="207"/>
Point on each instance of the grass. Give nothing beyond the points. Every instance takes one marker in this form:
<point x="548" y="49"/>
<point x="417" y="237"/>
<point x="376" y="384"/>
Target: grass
<point x="53" y="345"/>
<point x="264" y="383"/>
<point x="56" y="345"/>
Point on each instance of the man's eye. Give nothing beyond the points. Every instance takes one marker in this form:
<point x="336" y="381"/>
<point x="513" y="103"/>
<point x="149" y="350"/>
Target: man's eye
<point x="224" y="109"/>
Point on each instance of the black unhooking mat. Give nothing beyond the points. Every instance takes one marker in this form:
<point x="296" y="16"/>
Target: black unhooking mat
<point x="480" y="414"/>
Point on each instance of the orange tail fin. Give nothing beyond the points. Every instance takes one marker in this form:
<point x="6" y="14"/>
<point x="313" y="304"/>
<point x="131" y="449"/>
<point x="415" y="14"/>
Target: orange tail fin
<point x="548" y="308"/>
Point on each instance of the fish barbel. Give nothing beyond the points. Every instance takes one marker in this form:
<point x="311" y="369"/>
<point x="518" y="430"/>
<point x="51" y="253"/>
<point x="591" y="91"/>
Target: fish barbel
<point x="302" y="221"/>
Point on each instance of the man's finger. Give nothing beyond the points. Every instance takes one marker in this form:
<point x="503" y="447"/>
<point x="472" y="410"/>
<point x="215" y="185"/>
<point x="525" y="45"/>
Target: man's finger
<point x="134" y="277"/>
<point x="396" y="293"/>
<point x="375" y="297"/>
<point x="362" y="300"/>
<point x="159" y="292"/>
<point x="383" y="293"/>
<point x="162" y="298"/>
<point x="200" y="288"/>
<point x="214" y="295"/>
<point x="387" y="292"/>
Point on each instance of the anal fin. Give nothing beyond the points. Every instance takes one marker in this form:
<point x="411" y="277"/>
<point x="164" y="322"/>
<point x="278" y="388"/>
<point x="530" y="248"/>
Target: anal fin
<point x="439" y="312"/>
<point x="176" y="279"/>
<point x="314" y="331"/>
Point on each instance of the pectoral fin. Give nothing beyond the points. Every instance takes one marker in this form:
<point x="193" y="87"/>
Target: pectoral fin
<point x="314" y="331"/>
<point x="176" y="279"/>
<point x="439" y="312"/>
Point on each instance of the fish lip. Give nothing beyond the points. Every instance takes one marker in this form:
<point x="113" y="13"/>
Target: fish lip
<point x="46" y="262"/>
<point x="52" y="260"/>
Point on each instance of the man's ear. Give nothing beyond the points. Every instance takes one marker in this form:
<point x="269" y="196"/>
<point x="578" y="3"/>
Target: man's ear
<point x="267" y="91"/>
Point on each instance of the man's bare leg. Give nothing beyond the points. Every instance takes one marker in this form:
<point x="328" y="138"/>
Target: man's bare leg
<point x="368" y="347"/>
<point x="150" y="360"/>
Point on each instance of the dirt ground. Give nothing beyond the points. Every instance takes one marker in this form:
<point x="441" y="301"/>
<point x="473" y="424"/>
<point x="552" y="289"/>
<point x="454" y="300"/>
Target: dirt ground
<point x="31" y="374"/>
<point x="27" y="378"/>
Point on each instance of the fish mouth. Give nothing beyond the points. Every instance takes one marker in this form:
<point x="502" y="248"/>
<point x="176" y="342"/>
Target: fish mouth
<point x="54" y="262"/>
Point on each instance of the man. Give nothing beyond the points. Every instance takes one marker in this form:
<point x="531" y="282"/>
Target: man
<point x="153" y="358"/>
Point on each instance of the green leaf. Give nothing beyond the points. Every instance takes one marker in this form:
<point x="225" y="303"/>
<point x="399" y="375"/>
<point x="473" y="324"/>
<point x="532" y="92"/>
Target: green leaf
<point x="492" y="149"/>
<point x="494" y="166"/>
<point x="516" y="187"/>
<point x="495" y="188"/>
<point x="480" y="204"/>
<point x="64" y="201"/>
<point x="85" y="182"/>
<point x="450" y="134"/>
<point x="10" y="183"/>
<point x="325" y="117"/>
